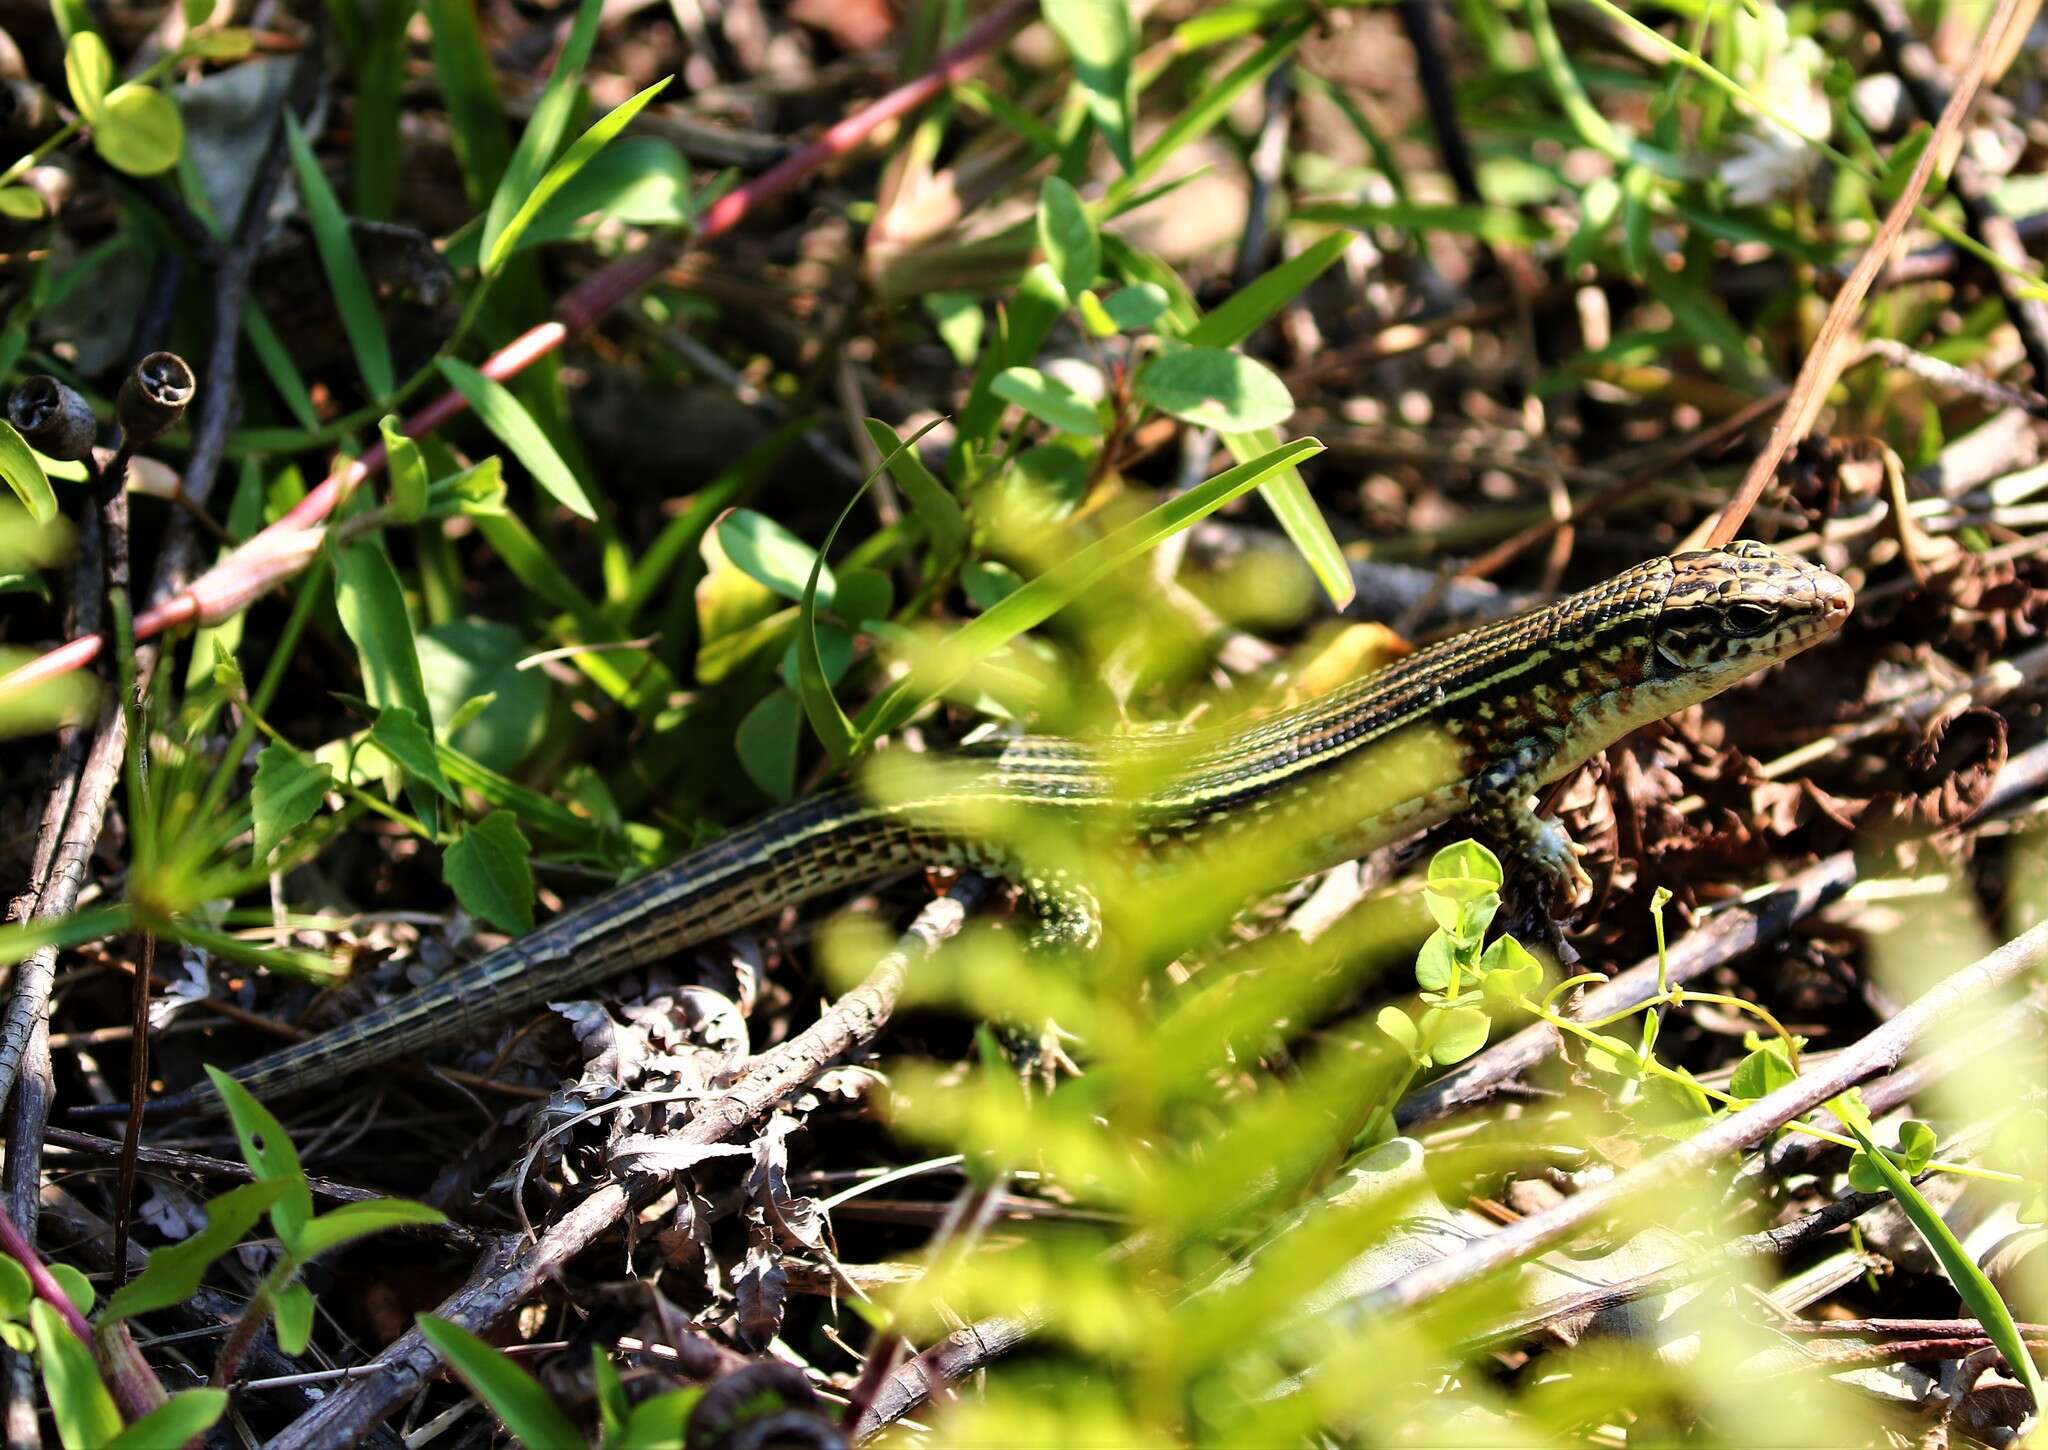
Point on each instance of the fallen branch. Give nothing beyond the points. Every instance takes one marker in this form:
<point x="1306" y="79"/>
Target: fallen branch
<point x="509" y="1272"/>
<point x="1878" y="1052"/>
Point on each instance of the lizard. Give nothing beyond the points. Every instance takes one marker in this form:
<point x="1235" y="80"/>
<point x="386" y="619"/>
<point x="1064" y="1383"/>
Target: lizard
<point x="1476" y="723"/>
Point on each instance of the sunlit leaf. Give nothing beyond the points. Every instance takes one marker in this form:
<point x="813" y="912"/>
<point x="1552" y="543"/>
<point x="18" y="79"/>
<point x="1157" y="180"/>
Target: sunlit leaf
<point x="79" y="1403"/>
<point x="509" y="420"/>
<point x="360" y="319"/>
<point x="285" y="794"/>
<point x="1068" y="237"/>
<point x="1049" y="400"/>
<point x="1215" y="389"/>
<point x="182" y="1418"/>
<point x="174" y="1272"/>
<point x="513" y="1395"/>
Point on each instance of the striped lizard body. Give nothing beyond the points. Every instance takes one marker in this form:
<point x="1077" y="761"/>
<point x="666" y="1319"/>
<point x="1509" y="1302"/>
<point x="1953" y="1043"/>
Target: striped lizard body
<point x="1478" y="722"/>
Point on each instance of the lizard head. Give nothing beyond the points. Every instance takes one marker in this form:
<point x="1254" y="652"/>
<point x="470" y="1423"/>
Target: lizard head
<point x="1733" y="611"/>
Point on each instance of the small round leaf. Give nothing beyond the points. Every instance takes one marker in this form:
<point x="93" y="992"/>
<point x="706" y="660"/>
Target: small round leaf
<point x="1213" y="388"/>
<point x="140" y="131"/>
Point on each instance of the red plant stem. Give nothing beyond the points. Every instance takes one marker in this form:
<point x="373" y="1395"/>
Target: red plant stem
<point x="40" y="1278"/>
<point x="241" y="575"/>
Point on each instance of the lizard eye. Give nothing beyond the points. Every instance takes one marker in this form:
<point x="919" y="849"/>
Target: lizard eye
<point x="1744" y="620"/>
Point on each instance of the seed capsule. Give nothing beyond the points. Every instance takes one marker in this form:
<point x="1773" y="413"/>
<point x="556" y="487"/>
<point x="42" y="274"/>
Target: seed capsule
<point x="53" y="417"/>
<point x="153" y="397"/>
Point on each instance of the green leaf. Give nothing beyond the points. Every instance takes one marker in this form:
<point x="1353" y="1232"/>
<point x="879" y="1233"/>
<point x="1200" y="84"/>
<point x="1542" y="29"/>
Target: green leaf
<point x="375" y="150"/>
<point x="1022" y="327"/>
<point x="1212" y="388"/>
<point x="1674" y="1110"/>
<point x="77" y="1288"/>
<point x="1093" y="316"/>
<point x="1763" y="1072"/>
<point x="89" y="73"/>
<point x="1434" y="963"/>
<point x="173" y="1272"/>
<point x="499" y="244"/>
<point x="197" y="13"/>
<point x="1463" y="861"/>
<point x="353" y="1221"/>
<point x="406" y="466"/>
<point x="612" y="1406"/>
<point x="371" y="603"/>
<point x="16" y="1292"/>
<point x="1053" y="590"/>
<point x="1916" y="1145"/>
<point x="771" y="555"/>
<point x="1068" y="237"/>
<point x="988" y="584"/>
<point x="958" y="317"/>
<point x="79" y="1402"/>
<point x="1137" y="306"/>
<point x="862" y="595"/>
<point x="1209" y="105"/>
<point x="1049" y="400"/>
<point x="1977" y="1291"/>
<point x="1463" y="890"/>
<point x="547" y="126"/>
<point x="401" y="734"/>
<point x="635" y="181"/>
<point x="1510" y="972"/>
<point x="467" y="658"/>
<point x="513" y="1395"/>
<point x="230" y="43"/>
<point x="73" y="17"/>
<point x="1398" y="1026"/>
<point x="184" y="1417"/>
<point x="268" y="1151"/>
<point x="766" y="743"/>
<point x="19" y="203"/>
<point x="1246" y="310"/>
<point x="488" y="870"/>
<point x="513" y="426"/>
<point x="477" y="490"/>
<point x="657" y="1422"/>
<point x="279" y="366"/>
<point x="24" y="474"/>
<point x="1100" y="39"/>
<point x="1483" y="223"/>
<point x="829" y="722"/>
<point x="284" y="796"/>
<point x="351" y="288"/>
<point x="930" y="500"/>
<point x="469" y="89"/>
<point x="293" y="1308"/>
<point x="1459" y="1032"/>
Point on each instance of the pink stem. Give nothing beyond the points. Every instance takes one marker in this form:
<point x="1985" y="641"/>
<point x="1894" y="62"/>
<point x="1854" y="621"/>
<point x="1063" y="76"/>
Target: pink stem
<point x="238" y="577"/>
<point x="40" y="1278"/>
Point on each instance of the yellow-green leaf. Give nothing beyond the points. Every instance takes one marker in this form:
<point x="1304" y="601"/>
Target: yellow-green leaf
<point x="139" y="131"/>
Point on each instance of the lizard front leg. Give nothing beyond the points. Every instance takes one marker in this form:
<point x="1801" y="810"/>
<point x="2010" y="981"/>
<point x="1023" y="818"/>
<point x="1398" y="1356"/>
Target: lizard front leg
<point x="1503" y="804"/>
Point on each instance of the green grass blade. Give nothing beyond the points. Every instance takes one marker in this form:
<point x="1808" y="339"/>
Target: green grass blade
<point x="513" y="426"/>
<point x="352" y="295"/>
<point x="545" y="130"/>
<point x="1977" y="1291"/>
<point x="375" y="151"/>
<point x="1043" y="597"/>
<point x="279" y="367"/>
<point x="501" y="244"/>
<point x="1246" y="310"/>
<point x="476" y="117"/>
<point x="515" y="1396"/>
